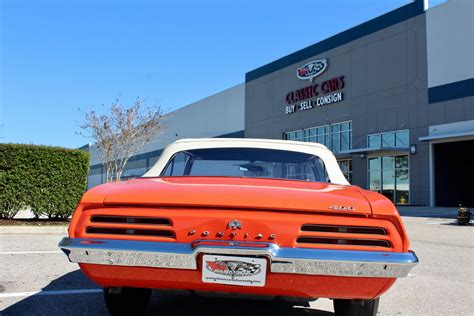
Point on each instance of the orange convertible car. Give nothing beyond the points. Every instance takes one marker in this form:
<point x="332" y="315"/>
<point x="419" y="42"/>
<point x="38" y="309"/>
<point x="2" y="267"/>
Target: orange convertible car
<point x="240" y="216"/>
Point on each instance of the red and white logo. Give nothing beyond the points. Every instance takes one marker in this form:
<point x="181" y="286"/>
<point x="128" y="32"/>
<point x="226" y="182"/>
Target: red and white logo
<point x="233" y="268"/>
<point x="312" y="69"/>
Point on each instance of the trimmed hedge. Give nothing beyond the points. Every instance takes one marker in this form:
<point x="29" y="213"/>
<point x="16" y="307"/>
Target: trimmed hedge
<point x="49" y="180"/>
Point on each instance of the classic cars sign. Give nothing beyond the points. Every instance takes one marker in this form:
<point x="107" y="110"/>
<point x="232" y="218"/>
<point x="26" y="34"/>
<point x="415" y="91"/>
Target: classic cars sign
<point x="312" y="69"/>
<point x="317" y="94"/>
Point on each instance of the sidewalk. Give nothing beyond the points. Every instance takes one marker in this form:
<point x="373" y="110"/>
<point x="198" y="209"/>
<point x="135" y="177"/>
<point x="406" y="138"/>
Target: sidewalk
<point x="33" y="229"/>
<point x="426" y="211"/>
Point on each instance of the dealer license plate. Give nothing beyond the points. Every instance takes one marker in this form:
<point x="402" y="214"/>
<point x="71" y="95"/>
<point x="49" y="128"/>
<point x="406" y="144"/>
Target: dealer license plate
<point x="234" y="270"/>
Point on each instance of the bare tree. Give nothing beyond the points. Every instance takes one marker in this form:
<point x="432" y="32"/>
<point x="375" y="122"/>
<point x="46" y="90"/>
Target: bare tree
<point x="122" y="132"/>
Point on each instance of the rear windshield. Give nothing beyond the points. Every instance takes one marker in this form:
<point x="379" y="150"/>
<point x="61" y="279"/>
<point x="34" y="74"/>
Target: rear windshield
<point x="247" y="162"/>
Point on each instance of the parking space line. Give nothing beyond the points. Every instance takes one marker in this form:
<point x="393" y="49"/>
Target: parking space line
<point x="28" y="252"/>
<point x="46" y="293"/>
<point x="444" y="222"/>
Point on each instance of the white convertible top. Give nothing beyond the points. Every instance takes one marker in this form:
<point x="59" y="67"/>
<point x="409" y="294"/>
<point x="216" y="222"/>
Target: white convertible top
<point x="319" y="150"/>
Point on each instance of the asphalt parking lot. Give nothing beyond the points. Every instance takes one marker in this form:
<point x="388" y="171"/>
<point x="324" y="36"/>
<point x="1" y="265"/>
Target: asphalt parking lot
<point x="37" y="279"/>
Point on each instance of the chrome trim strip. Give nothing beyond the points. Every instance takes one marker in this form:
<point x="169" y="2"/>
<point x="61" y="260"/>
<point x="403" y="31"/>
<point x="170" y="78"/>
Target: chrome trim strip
<point x="282" y="260"/>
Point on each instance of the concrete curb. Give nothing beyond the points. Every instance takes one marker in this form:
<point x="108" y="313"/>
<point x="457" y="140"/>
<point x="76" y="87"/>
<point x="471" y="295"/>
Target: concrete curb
<point x="33" y="229"/>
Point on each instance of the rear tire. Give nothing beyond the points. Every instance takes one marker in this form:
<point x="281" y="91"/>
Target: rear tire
<point x="356" y="307"/>
<point x="127" y="300"/>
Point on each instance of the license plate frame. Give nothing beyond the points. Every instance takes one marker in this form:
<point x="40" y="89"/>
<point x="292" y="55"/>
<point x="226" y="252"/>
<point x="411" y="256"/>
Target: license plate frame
<point x="233" y="270"/>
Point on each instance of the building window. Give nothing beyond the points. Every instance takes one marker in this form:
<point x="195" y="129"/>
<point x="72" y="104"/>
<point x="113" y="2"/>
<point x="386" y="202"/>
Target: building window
<point x="346" y="168"/>
<point x="374" y="141"/>
<point x="402" y="139"/>
<point x="309" y="135"/>
<point x="318" y="134"/>
<point x="294" y="135"/>
<point x="395" y="139"/>
<point x="388" y="140"/>
<point x="389" y="175"/>
<point x="337" y="137"/>
<point x="341" y="137"/>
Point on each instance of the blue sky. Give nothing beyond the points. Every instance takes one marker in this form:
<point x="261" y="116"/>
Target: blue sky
<point x="58" y="56"/>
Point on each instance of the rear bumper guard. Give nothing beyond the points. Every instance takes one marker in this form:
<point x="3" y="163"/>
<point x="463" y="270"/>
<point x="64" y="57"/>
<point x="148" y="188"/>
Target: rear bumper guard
<point x="170" y="255"/>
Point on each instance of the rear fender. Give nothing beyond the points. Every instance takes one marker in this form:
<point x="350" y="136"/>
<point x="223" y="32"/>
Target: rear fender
<point x="383" y="208"/>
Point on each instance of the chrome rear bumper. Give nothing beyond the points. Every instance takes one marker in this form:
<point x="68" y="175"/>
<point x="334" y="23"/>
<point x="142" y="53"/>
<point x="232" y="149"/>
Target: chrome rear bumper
<point x="282" y="260"/>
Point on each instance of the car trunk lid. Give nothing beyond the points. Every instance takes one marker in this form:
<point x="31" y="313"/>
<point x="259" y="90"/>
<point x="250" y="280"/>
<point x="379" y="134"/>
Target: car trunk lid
<point x="240" y="193"/>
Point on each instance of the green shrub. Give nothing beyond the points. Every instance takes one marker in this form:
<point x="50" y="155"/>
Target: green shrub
<point x="50" y="180"/>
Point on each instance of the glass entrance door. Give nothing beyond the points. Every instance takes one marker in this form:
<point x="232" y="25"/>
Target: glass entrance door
<point x="389" y="175"/>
